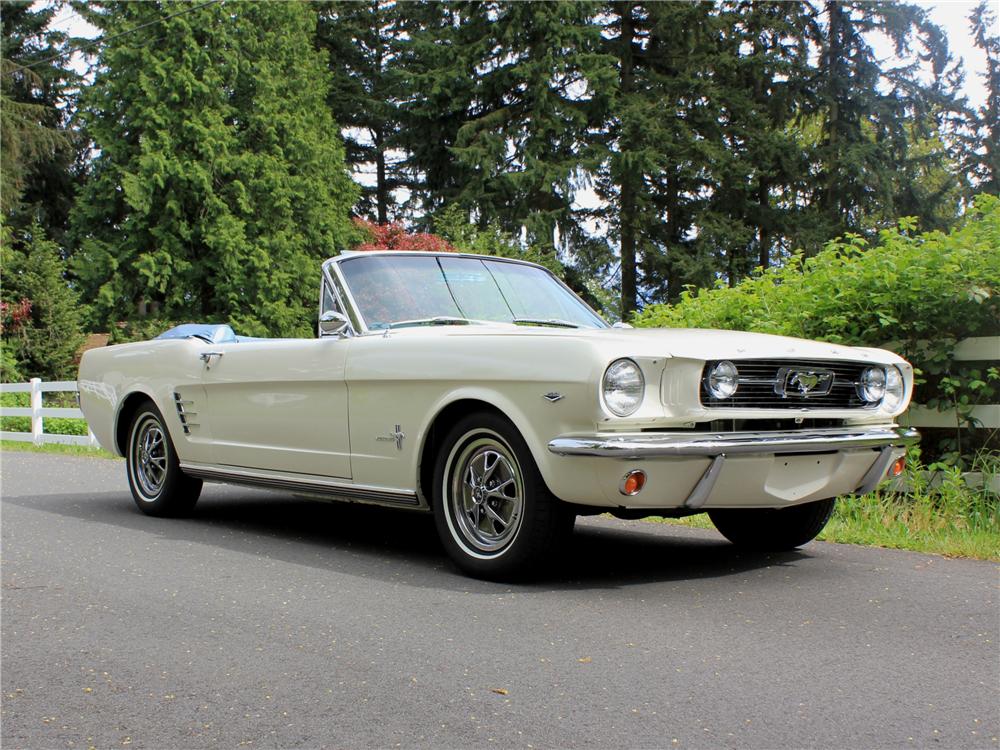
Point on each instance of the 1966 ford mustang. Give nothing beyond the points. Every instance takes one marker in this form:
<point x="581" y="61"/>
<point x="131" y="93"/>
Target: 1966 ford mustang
<point x="484" y="391"/>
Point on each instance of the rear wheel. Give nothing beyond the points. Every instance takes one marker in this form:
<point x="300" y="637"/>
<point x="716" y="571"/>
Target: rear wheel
<point x="158" y="485"/>
<point x="773" y="530"/>
<point x="494" y="514"/>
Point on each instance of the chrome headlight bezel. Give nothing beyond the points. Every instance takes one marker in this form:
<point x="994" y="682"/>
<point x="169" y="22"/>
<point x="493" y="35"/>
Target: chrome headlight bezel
<point x="623" y="387"/>
<point x="895" y="389"/>
<point x="723" y="380"/>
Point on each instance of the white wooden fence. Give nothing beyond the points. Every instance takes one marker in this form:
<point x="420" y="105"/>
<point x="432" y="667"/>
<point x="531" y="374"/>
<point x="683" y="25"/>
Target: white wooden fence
<point x="37" y="411"/>
<point x="976" y="349"/>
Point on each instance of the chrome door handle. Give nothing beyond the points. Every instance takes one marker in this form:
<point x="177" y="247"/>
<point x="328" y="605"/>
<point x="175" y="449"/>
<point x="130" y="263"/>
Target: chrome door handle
<point x="206" y="357"/>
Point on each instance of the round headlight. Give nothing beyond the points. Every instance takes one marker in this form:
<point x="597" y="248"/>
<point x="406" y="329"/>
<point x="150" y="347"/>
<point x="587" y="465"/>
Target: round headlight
<point x="622" y="387"/>
<point x="722" y="380"/>
<point x="871" y="387"/>
<point x="893" y="389"/>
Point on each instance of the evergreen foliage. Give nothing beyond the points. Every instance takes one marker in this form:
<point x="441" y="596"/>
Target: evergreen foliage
<point x="363" y="41"/>
<point x="220" y="182"/>
<point x="36" y="150"/>
<point x="42" y="316"/>
<point x="983" y="148"/>
<point x="540" y="79"/>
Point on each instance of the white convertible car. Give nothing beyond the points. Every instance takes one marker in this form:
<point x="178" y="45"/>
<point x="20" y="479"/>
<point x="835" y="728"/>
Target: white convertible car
<point x="484" y="391"/>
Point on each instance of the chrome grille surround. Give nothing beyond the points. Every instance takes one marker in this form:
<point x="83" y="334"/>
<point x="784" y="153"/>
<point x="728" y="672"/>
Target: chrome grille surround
<point x="772" y="384"/>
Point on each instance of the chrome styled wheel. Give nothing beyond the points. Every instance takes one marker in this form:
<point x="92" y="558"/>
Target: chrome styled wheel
<point x="149" y="458"/>
<point x="158" y="485"/>
<point x="494" y="514"/>
<point x="486" y="493"/>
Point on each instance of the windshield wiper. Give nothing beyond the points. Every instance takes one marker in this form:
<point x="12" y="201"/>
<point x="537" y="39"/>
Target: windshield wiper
<point x="553" y="322"/>
<point x="440" y="320"/>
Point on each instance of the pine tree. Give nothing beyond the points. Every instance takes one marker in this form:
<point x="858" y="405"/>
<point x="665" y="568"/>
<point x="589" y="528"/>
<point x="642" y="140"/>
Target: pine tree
<point x="501" y="96"/>
<point x="438" y="71"/>
<point x="984" y="156"/>
<point x="363" y="40"/>
<point x="219" y="182"/>
<point x="36" y="92"/>
<point x="659" y="139"/>
<point x="44" y="342"/>
<point x="758" y="74"/>
<point x="868" y="110"/>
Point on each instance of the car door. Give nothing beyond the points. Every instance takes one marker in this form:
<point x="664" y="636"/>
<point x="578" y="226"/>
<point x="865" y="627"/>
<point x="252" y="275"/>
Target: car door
<point x="279" y="405"/>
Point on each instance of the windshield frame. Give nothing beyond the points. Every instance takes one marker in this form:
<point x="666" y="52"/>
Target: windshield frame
<point x="331" y="269"/>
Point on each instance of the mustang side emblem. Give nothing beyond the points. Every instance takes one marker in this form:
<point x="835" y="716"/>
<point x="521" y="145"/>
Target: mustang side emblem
<point x="398" y="436"/>
<point x="803" y="383"/>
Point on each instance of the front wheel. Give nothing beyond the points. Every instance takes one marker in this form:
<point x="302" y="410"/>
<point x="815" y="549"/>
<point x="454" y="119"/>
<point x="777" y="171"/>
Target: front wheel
<point x="158" y="485"/>
<point x="494" y="514"/>
<point x="773" y="530"/>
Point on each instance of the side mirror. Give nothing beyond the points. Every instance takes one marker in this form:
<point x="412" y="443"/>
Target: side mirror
<point x="332" y="324"/>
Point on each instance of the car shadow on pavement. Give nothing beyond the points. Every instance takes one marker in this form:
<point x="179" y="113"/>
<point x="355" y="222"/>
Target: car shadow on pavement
<point x="403" y="546"/>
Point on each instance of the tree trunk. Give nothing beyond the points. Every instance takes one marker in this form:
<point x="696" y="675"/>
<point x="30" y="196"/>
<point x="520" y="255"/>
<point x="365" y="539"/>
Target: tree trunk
<point x="626" y="178"/>
<point x="763" y="221"/>
<point x="829" y="202"/>
<point x="381" y="188"/>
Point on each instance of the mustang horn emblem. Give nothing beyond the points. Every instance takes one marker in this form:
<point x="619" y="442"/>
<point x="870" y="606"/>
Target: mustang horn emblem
<point x="804" y="383"/>
<point x="397" y="435"/>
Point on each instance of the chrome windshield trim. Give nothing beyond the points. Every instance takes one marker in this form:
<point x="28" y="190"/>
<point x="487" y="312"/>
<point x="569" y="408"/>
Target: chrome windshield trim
<point x="678" y="444"/>
<point x="331" y="267"/>
<point x="331" y="270"/>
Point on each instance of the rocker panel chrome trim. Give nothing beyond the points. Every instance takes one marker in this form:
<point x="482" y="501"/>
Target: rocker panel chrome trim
<point x="299" y="483"/>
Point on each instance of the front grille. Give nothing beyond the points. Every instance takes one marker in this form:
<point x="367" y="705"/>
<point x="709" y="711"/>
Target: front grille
<point x="761" y="384"/>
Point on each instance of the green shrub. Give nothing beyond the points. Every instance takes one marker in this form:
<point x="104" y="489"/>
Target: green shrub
<point x="50" y="425"/>
<point x="43" y="340"/>
<point x="917" y="293"/>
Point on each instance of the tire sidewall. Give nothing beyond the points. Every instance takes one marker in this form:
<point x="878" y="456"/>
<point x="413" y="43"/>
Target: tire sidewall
<point x="145" y="415"/>
<point x="774" y="530"/>
<point x="178" y="493"/>
<point x="512" y="559"/>
<point x="449" y="468"/>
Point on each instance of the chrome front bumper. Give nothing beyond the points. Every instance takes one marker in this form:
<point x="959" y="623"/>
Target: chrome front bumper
<point x="662" y="444"/>
<point x="718" y="446"/>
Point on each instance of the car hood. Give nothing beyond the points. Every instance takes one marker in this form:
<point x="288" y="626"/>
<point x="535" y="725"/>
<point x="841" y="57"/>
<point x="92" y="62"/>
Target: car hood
<point x="687" y="343"/>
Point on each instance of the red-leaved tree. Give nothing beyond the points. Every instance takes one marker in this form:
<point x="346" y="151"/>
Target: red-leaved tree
<point x="395" y="237"/>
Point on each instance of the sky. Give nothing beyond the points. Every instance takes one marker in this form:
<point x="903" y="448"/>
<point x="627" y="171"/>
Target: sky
<point x="953" y="17"/>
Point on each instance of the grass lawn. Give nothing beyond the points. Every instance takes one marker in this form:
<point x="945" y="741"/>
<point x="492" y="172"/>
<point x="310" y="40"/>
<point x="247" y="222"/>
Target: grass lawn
<point x="951" y="519"/>
<point x="67" y="450"/>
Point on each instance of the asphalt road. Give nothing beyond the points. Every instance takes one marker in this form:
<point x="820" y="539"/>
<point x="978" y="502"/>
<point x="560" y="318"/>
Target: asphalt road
<point x="268" y="621"/>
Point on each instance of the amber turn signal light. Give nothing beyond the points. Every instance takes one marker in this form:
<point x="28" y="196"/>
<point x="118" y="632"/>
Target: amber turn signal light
<point x="897" y="466"/>
<point x="633" y="482"/>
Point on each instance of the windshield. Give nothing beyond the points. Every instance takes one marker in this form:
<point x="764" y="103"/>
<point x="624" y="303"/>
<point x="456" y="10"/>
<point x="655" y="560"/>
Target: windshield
<point x="392" y="289"/>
